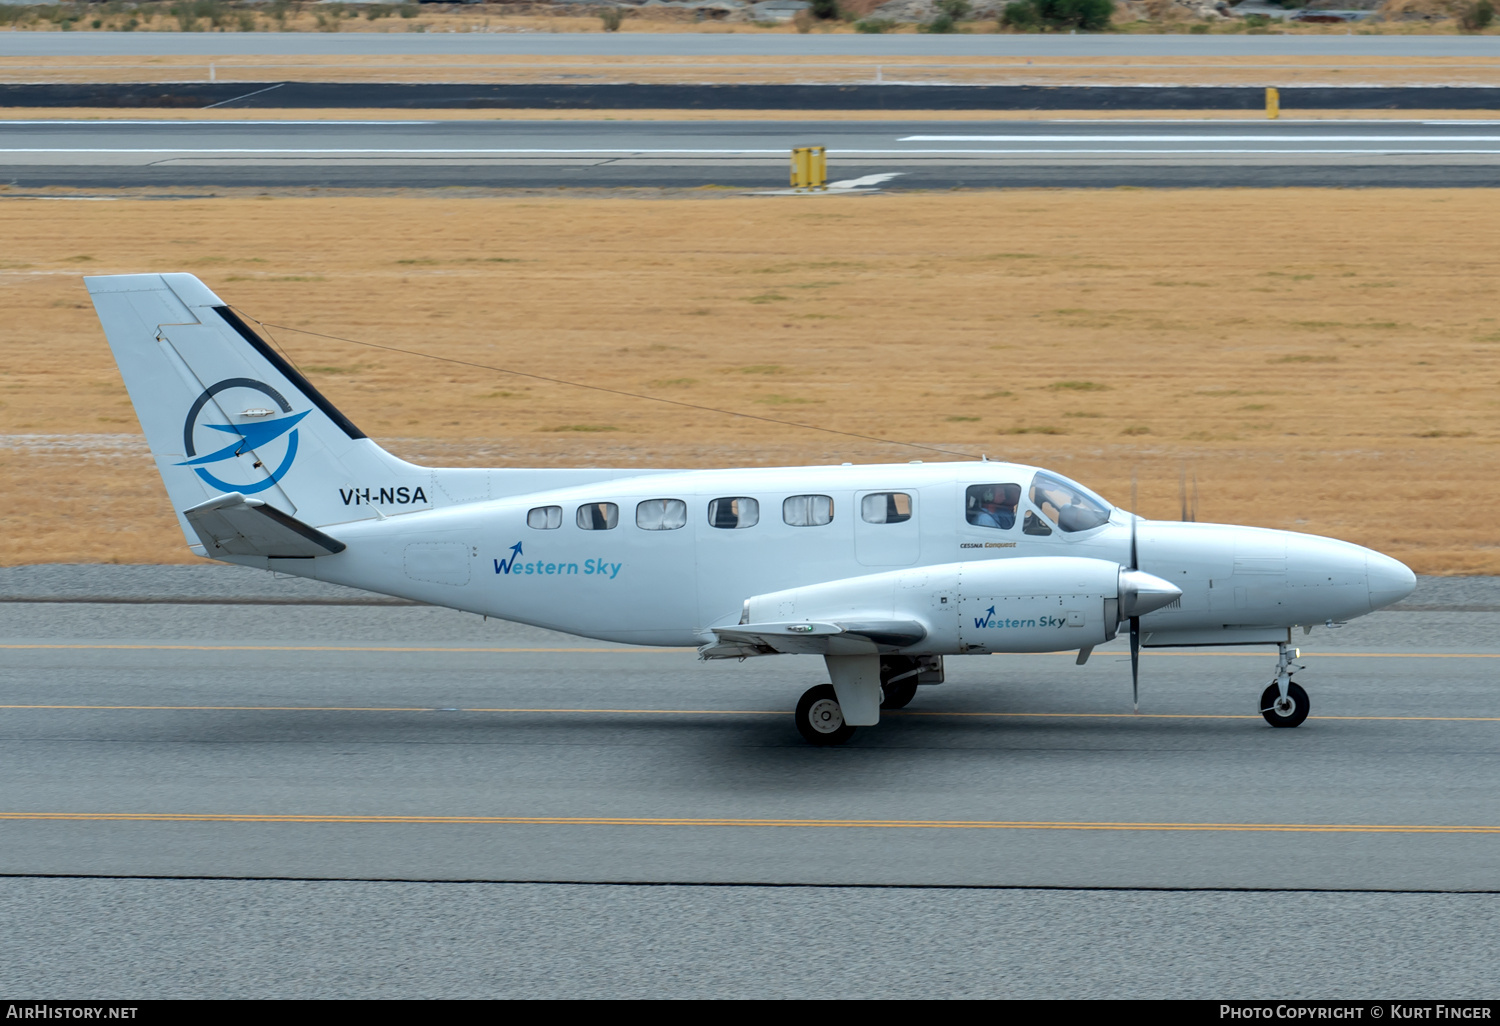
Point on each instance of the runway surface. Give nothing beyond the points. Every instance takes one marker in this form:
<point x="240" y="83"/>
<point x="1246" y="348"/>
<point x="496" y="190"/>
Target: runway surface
<point x="916" y="154"/>
<point x="667" y="44"/>
<point x="395" y="752"/>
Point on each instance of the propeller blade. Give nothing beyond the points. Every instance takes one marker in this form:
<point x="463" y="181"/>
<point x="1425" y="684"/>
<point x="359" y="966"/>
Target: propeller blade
<point x="1135" y="662"/>
<point x="1182" y="488"/>
<point x="1195" y="496"/>
<point x="1134" y="563"/>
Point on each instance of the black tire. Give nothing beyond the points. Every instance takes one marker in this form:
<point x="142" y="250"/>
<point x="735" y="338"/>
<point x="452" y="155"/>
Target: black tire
<point x="899" y="694"/>
<point x="1300" y="705"/>
<point x="817" y="722"/>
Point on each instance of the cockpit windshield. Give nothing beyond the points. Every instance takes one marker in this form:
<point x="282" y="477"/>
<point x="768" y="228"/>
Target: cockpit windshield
<point x="1067" y="505"/>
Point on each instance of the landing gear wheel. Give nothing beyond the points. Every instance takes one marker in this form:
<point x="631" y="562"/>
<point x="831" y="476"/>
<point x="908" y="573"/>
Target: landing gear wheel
<point x="899" y="694"/>
<point x="819" y="719"/>
<point x="1284" y="712"/>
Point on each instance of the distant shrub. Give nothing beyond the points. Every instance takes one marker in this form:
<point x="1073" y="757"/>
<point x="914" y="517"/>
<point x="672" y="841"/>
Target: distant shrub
<point x="1059" y="15"/>
<point x="190" y="12"/>
<point x="825" y="10"/>
<point x="1476" y="17"/>
<point x="941" y="25"/>
<point x="802" y="22"/>
<point x="611" y="19"/>
<point x="1022" y="16"/>
<point x="874" y="26"/>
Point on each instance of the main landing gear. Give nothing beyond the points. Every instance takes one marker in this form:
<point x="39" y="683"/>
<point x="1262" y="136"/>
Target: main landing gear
<point x="820" y="718"/>
<point x="1284" y="703"/>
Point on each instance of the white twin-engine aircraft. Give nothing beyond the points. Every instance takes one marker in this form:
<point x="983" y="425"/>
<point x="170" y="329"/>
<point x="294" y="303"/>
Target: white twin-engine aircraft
<point x="882" y="570"/>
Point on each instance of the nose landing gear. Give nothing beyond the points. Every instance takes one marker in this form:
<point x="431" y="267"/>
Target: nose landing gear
<point x="1284" y="703"/>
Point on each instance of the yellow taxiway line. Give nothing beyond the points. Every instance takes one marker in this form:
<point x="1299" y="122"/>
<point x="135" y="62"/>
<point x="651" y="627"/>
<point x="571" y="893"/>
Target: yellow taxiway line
<point x="641" y="821"/>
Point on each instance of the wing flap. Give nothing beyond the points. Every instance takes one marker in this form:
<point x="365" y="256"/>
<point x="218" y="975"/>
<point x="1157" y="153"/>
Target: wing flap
<point x="234" y="525"/>
<point x="861" y="637"/>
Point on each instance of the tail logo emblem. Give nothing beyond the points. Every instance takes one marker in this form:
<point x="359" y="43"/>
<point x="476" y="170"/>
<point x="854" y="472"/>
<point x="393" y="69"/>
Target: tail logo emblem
<point x="249" y="439"/>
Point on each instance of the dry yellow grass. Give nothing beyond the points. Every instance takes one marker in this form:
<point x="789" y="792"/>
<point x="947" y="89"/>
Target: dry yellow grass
<point x="1053" y="71"/>
<point x="1323" y="360"/>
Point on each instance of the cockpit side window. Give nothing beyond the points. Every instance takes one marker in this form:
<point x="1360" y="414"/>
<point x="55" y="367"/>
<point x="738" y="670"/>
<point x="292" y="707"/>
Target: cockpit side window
<point x="992" y="505"/>
<point x="1066" y="505"/>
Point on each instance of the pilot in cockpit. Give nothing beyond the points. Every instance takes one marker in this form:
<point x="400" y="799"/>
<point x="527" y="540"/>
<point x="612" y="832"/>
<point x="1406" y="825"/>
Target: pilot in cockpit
<point x="997" y="507"/>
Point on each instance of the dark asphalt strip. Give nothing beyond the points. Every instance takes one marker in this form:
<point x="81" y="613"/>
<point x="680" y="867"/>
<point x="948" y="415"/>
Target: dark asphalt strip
<point x="741" y="176"/>
<point x="631" y="96"/>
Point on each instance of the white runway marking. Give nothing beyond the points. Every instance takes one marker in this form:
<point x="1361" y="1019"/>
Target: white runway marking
<point x="1198" y="138"/>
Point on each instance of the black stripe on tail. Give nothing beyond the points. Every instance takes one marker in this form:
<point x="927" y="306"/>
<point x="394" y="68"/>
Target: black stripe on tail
<point x="289" y="372"/>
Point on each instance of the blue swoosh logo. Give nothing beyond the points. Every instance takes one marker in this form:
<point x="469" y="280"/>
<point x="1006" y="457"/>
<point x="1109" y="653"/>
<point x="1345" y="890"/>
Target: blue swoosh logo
<point x="249" y="436"/>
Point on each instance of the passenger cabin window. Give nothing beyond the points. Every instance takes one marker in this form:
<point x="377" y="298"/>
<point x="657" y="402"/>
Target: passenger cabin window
<point x="734" y="513"/>
<point x="992" y="505"/>
<point x="661" y="514"/>
<point x="885" y="508"/>
<point x="598" y="516"/>
<point x="545" y="518"/>
<point x="1067" y="505"/>
<point x="807" y="510"/>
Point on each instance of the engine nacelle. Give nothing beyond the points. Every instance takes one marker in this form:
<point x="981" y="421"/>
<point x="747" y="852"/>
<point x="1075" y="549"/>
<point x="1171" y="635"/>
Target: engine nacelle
<point x="1028" y="604"/>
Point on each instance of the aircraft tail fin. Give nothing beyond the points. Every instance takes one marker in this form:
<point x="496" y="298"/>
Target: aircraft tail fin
<point x="225" y="413"/>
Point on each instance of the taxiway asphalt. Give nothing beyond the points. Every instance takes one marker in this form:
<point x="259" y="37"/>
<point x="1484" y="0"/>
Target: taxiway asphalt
<point x="242" y="789"/>
<point x="746" y="154"/>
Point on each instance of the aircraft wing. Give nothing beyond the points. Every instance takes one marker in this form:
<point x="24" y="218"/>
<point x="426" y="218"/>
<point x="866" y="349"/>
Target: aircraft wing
<point x="859" y="637"/>
<point x="231" y="524"/>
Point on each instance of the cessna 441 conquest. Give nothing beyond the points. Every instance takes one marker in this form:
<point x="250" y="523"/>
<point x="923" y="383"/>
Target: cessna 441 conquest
<point x="883" y="570"/>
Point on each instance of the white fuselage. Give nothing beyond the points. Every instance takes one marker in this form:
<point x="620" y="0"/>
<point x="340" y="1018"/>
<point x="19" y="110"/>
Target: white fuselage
<point x="669" y="586"/>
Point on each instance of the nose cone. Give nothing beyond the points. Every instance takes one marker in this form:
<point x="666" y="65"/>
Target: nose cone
<point x="1390" y="580"/>
<point x="1142" y="593"/>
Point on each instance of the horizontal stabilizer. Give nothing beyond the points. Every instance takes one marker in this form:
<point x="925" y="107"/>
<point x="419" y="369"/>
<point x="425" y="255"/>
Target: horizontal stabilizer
<point x="234" y="525"/>
<point x="861" y="637"/>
